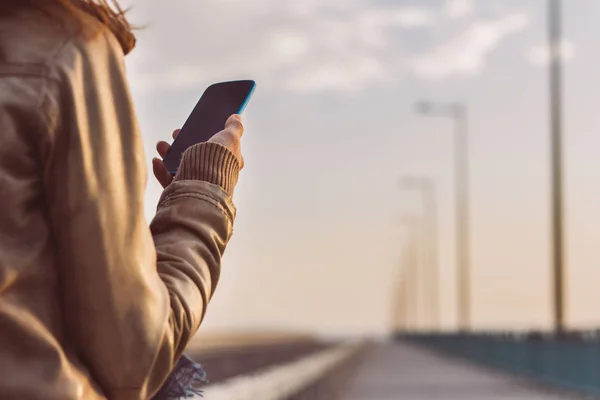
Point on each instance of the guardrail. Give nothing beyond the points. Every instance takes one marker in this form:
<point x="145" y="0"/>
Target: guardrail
<point x="570" y="361"/>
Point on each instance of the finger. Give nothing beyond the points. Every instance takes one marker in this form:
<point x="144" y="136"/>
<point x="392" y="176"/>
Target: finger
<point x="162" y="148"/>
<point x="175" y="133"/>
<point x="235" y="126"/>
<point x="160" y="172"/>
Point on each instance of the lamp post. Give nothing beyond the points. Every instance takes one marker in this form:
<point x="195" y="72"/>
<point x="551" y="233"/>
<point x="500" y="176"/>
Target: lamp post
<point x="555" y="64"/>
<point x="426" y="189"/>
<point x="411" y="279"/>
<point x="458" y="113"/>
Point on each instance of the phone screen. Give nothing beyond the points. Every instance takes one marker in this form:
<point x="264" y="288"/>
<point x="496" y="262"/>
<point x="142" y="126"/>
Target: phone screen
<point x="217" y="104"/>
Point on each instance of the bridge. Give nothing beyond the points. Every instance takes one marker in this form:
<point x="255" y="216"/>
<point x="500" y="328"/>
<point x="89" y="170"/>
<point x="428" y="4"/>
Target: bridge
<point x="486" y="366"/>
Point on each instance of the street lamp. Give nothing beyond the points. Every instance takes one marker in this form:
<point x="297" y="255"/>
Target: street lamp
<point x="458" y="113"/>
<point x="404" y="303"/>
<point x="555" y="56"/>
<point x="426" y="189"/>
<point x="410" y="282"/>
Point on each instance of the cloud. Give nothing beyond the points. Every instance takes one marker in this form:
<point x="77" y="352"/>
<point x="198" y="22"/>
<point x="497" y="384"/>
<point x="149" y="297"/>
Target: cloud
<point x="407" y="17"/>
<point x="459" y="8"/>
<point x="466" y="53"/>
<point x="540" y="55"/>
<point x="304" y="46"/>
<point x="350" y="76"/>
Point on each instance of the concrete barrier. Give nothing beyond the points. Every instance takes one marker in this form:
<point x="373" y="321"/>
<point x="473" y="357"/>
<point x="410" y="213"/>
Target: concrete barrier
<point x="279" y="382"/>
<point x="224" y="363"/>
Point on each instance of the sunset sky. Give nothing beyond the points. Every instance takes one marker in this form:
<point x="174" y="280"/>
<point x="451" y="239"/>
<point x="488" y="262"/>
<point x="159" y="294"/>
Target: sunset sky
<point x="332" y="127"/>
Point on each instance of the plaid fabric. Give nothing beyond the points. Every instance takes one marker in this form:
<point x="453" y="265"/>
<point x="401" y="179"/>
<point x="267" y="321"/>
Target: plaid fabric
<point x="183" y="382"/>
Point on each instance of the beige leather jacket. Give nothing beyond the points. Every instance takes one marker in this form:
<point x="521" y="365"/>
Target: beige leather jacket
<point x="93" y="303"/>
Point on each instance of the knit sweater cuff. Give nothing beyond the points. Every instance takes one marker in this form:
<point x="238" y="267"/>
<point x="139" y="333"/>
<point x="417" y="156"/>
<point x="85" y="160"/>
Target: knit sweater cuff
<point x="210" y="162"/>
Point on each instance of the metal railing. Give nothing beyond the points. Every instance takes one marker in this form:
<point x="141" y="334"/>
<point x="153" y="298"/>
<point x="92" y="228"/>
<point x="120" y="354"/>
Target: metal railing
<point x="569" y="361"/>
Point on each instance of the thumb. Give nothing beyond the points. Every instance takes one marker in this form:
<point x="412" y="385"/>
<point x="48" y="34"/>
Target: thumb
<point x="235" y="126"/>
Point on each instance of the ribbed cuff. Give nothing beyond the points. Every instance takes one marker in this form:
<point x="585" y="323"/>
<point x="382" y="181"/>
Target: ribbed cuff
<point x="210" y="162"/>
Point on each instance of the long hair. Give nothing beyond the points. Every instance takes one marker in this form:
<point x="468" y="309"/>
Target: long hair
<point x="108" y="12"/>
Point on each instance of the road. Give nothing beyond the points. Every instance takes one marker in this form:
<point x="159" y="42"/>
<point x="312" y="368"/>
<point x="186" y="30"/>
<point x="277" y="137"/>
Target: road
<point x="402" y="372"/>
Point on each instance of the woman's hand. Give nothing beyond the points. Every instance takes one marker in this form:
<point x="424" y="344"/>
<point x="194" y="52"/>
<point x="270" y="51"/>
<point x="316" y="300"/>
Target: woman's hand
<point x="160" y="171"/>
<point x="230" y="138"/>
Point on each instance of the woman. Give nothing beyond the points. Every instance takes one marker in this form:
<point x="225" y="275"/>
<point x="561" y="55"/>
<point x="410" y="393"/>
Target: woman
<point x="93" y="304"/>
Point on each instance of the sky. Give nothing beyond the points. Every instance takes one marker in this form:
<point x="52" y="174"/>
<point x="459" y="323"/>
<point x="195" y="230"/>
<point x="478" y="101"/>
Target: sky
<point x="318" y="244"/>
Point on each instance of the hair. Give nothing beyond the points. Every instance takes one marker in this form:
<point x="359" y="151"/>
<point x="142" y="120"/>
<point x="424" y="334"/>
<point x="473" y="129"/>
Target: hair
<point x="108" y="12"/>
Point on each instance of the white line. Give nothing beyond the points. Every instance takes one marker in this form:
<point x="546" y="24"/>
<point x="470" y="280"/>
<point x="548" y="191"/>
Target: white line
<point x="281" y="381"/>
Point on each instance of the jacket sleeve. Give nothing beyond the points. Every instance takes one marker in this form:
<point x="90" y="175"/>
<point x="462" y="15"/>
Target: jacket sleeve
<point x="133" y="296"/>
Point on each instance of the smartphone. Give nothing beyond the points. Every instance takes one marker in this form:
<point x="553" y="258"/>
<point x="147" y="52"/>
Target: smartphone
<point x="218" y="102"/>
